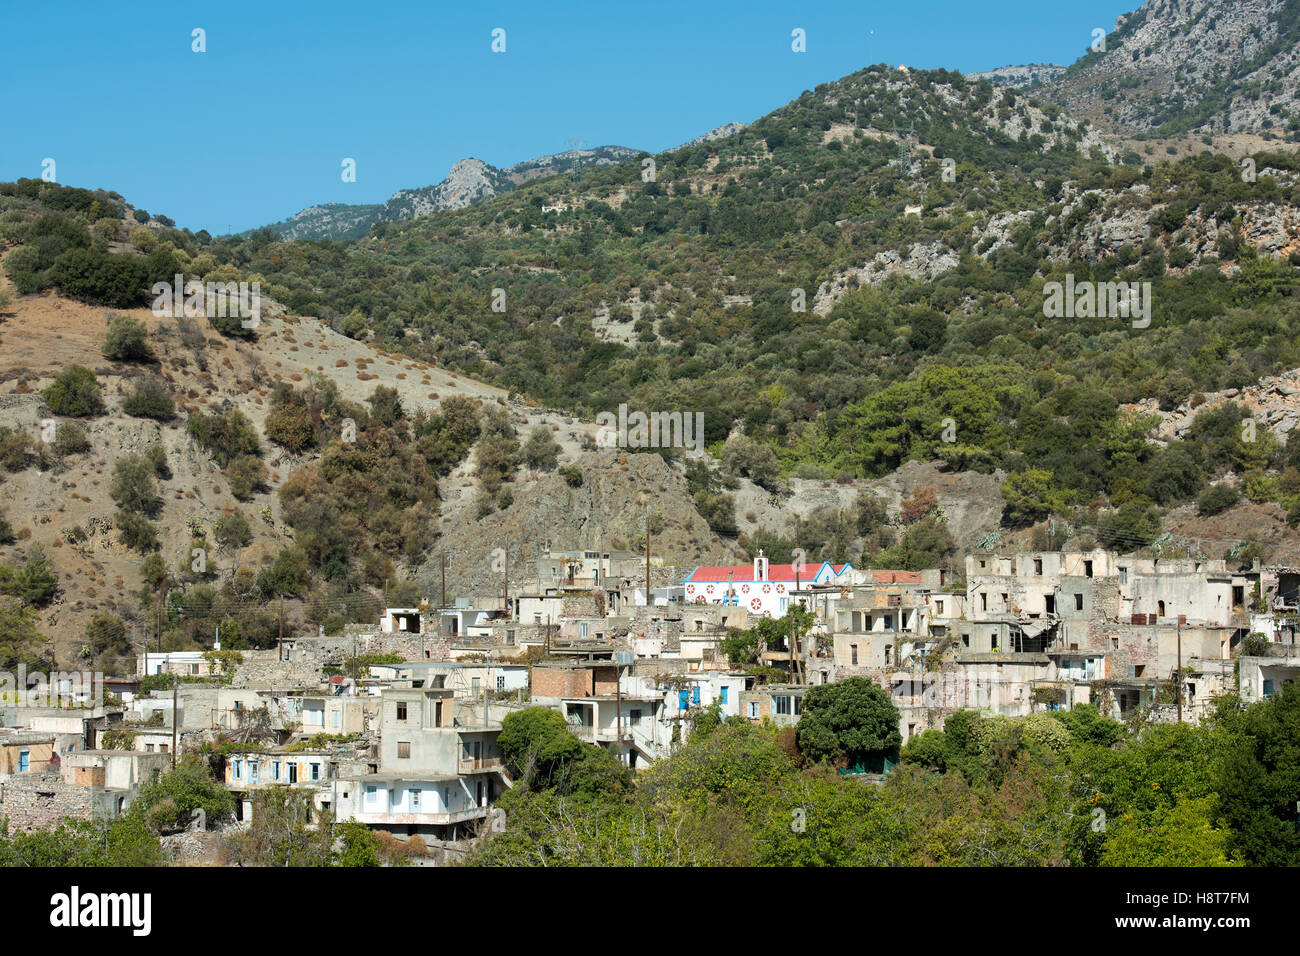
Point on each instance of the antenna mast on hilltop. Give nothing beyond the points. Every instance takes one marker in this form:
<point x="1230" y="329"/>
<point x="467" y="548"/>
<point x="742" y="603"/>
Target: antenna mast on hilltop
<point x="905" y="138"/>
<point x="575" y="146"/>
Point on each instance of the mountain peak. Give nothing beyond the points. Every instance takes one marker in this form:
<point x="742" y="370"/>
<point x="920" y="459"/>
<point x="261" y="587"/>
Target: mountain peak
<point x="1170" y="68"/>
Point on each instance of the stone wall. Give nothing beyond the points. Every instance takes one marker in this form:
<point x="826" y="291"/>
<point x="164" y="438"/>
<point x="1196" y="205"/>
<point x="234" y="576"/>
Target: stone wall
<point x="582" y="604"/>
<point x="38" y="801"/>
<point x="273" y="673"/>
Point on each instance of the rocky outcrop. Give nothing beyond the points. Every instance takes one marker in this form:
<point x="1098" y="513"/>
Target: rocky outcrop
<point x="1019" y="77"/>
<point x="618" y="491"/>
<point x="1274" y="403"/>
<point x="469" y="181"/>
<point x="924" y="262"/>
<point x="1163" y="59"/>
<point x="718" y="132"/>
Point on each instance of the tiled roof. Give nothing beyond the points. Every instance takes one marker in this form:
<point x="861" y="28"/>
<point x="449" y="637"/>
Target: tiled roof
<point x="745" y="572"/>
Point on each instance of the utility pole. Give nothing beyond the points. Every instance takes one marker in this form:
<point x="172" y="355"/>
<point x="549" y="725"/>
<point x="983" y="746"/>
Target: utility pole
<point x="279" y="651"/>
<point x="442" y="561"/>
<point x="790" y="610"/>
<point x="175" y="717"/>
<point x="790" y="614"/>
<point x="647" y="560"/>
<point x="1178" y="676"/>
<point x="505" y="590"/>
<point x="618" y="705"/>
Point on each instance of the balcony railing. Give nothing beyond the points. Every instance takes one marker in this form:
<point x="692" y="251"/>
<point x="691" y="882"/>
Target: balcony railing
<point x="470" y="764"/>
<point x="592" y="733"/>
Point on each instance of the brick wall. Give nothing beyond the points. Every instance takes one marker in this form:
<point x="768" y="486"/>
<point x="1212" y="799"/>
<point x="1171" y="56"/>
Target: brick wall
<point x="605" y="680"/>
<point x="560" y="681"/>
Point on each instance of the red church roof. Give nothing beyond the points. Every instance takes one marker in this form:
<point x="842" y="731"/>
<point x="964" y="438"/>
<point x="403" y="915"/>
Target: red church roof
<point x="745" y="572"/>
<point x="785" y="572"/>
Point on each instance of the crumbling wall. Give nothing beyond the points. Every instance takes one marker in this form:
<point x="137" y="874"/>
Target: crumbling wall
<point x="38" y="801"/>
<point x="273" y="673"/>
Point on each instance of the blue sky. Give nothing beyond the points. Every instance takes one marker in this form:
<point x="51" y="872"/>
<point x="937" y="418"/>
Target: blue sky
<point x="255" y="128"/>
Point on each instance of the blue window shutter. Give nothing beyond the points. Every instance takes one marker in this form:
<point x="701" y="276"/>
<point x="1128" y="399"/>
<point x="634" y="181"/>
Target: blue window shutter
<point x="684" y="701"/>
<point x="724" y="695"/>
<point x="695" y="695"/>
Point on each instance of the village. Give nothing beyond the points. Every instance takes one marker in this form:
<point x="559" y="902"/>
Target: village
<point x="395" y="724"/>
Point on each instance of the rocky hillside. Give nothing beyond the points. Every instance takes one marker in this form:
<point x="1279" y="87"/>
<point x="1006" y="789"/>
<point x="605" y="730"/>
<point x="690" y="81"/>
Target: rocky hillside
<point x="1095" y="225"/>
<point x="1208" y="66"/>
<point x="718" y="132"/>
<point x="469" y="181"/>
<point x="619" y="490"/>
<point x="1020" y="77"/>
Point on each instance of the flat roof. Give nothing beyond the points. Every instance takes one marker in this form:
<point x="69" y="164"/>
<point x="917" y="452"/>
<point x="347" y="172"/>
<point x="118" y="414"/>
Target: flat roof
<point x="28" y="737"/>
<point x="394" y="777"/>
<point x="454" y="665"/>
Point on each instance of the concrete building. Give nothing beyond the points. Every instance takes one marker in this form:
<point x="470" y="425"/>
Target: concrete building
<point x="782" y="703"/>
<point x="439" y="767"/>
<point x="180" y="663"/>
<point x="607" y="719"/>
<point x="330" y="714"/>
<point x="466" y="679"/>
<point x="402" y="620"/>
<point x="27" y="752"/>
<point x="1263" y="676"/>
<point x="311" y="769"/>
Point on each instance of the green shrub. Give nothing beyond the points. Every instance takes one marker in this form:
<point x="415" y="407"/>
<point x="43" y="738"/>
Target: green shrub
<point x="149" y="398"/>
<point x="70" y="440"/>
<point x="1216" y="499"/>
<point x="16" y="449"/>
<point x="226" y="436"/>
<point x="541" y="451"/>
<point x="75" y="392"/>
<point x="290" y="425"/>
<point x="718" y="510"/>
<point x="138" y="532"/>
<point x="156" y="456"/>
<point x="287" y="576"/>
<point x="34" y="583"/>
<point x="168" y="802"/>
<point x="126" y="340"/>
<point x="101" y="278"/>
<point x="248" y="476"/>
<point x="232" y="530"/>
<point x="133" y="486"/>
<point x="106" y="634"/>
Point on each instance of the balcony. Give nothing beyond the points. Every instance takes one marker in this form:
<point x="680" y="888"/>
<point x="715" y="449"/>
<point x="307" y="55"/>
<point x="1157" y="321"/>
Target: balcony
<point x="592" y="734"/>
<point x="472" y="765"/>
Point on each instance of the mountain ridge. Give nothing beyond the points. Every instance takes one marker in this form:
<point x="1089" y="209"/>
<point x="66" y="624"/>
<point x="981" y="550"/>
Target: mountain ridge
<point x="1199" y="66"/>
<point x="469" y="180"/>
